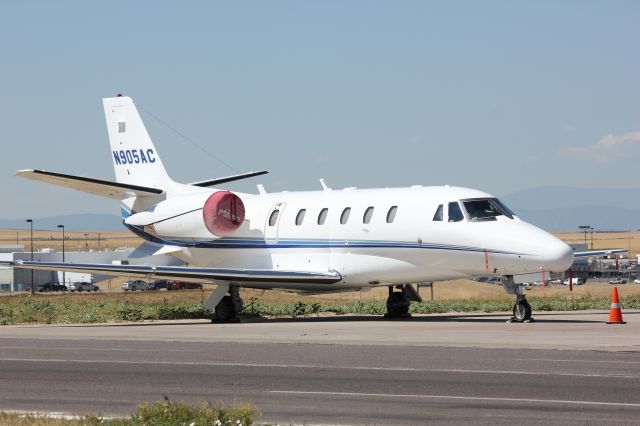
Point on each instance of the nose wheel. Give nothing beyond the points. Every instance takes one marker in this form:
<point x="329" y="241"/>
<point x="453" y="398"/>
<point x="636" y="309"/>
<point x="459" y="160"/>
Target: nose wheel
<point x="522" y="311"/>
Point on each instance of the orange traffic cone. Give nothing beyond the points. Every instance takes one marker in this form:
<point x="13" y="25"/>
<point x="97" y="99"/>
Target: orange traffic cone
<point x="615" y="313"/>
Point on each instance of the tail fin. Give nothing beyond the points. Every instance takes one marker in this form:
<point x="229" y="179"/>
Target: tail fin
<point x="135" y="158"/>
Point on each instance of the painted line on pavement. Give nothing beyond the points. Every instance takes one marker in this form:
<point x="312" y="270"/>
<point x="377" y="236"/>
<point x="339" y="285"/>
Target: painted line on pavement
<point x="316" y="366"/>
<point x="468" y="398"/>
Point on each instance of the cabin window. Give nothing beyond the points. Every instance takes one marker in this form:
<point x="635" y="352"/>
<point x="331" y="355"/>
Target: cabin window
<point x="438" y="216"/>
<point x="322" y="216"/>
<point x="344" y="217"/>
<point x="300" y="216"/>
<point x="455" y="214"/>
<point x="368" y="214"/>
<point x="391" y="214"/>
<point x="273" y="219"/>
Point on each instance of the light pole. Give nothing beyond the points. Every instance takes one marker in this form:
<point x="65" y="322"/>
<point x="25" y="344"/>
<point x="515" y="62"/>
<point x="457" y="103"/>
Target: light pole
<point x="98" y="241"/>
<point x="86" y="241"/>
<point x="585" y="228"/>
<point x="30" y="221"/>
<point x="64" y="278"/>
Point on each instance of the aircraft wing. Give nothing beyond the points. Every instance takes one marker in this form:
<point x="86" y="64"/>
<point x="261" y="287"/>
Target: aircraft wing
<point x="202" y="275"/>
<point x="103" y="188"/>
<point x="598" y="252"/>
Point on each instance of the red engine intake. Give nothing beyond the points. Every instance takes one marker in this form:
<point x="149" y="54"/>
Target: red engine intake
<point x="223" y="213"/>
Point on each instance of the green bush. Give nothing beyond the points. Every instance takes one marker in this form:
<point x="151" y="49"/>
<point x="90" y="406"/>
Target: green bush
<point x="171" y="413"/>
<point x="161" y="413"/>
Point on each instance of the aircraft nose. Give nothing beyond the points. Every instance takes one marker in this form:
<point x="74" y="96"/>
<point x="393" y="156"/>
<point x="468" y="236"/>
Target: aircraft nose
<point x="557" y="256"/>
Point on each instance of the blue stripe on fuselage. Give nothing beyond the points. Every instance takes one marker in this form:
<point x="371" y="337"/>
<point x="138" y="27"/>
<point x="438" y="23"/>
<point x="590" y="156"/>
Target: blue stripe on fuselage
<point x="284" y="243"/>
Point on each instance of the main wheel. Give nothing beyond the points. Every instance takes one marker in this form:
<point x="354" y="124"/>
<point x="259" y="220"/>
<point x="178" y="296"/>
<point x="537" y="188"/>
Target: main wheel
<point x="397" y="305"/>
<point x="225" y="310"/>
<point x="522" y="311"/>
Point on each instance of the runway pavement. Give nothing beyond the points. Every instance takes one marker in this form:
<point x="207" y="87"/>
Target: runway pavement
<point x="568" y="368"/>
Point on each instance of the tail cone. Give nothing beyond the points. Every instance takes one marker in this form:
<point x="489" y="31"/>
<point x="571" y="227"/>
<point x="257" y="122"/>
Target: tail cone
<point x="615" y="313"/>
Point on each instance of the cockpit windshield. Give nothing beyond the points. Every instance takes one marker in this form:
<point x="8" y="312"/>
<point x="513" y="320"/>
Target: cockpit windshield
<point x="482" y="209"/>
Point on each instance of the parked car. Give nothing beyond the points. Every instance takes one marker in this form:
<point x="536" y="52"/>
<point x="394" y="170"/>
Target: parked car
<point x="574" y="281"/>
<point x="134" y="285"/>
<point x="51" y="287"/>
<point x="181" y="285"/>
<point x="83" y="286"/>
<point x="617" y="280"/>
<point x="556" y="281"/>
<point x="494" y="280"/>
<point x="159" y="284"/>
<point x="636" y="281"/>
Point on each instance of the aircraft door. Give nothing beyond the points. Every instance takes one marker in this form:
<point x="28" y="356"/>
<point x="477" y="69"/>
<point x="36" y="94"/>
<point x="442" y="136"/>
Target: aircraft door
<point x="273" y="222"/>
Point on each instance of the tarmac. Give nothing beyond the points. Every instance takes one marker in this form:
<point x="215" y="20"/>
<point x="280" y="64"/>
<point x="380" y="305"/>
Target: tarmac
<point x="565" y="368"/>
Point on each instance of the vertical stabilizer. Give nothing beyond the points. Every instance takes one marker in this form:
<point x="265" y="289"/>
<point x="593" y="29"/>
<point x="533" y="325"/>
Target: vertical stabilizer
<point x="135" y="158"/>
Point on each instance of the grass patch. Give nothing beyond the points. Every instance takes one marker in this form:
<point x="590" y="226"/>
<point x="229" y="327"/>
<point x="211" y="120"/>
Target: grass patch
<point x="161" y="413"/>
<point x="78" y="310"/>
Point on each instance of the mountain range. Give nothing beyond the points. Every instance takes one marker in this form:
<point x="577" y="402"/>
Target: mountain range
<point x="552" y="208"/>
<point x="565" y="208"/>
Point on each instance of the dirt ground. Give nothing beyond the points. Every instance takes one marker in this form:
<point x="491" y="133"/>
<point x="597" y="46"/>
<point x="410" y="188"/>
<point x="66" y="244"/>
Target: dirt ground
<point x="74" y="241"/>
<point x="448" y="290"/>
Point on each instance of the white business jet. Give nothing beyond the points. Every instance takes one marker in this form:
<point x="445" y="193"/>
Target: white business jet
<point x="311" y="241"/>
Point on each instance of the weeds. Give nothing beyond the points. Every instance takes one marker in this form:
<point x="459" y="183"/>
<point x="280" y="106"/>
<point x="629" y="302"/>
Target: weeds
<point x="66" y="311"/>
<point x="161" y="413"/>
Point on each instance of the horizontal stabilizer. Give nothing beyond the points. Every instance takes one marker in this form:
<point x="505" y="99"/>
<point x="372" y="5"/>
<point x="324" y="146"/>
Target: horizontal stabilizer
<point x="218" y="181"/>
<point x="202" y="275"/>
<point x="102" y="188"/>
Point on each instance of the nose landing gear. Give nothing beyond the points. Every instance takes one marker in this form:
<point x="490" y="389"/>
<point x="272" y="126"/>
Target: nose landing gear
<point x="521" y="309"/>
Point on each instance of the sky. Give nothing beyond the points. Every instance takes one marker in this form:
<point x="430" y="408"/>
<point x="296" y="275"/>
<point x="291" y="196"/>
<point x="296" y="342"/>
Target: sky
<point x="495" y="95"/>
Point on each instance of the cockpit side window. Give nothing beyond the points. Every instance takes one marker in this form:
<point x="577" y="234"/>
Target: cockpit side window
<point x="506" y="210"/>
<point x="483" y="209"/>
<point x="438" y="216"/>
<point x="455" y="214"/>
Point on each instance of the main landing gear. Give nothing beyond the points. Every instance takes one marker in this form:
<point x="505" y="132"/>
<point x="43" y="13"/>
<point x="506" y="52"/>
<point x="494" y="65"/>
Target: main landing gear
<point x="398" y="302"/>
<point x="521" y="309"/>
<point x="225" y="301"/>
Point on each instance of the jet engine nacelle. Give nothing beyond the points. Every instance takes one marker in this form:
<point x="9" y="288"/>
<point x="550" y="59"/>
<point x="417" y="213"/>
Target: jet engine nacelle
<point x="196" y="216"/>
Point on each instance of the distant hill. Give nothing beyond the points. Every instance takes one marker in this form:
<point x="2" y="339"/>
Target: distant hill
<point x="565" y="208"/>
<point x="73" y="222"/>
<point x="553" y="208"/>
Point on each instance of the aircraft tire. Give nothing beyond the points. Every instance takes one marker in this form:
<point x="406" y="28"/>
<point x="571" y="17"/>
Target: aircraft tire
<point x="522" y="311"/>
<point x="397" y="305"/>
<point x="225" y="310"/>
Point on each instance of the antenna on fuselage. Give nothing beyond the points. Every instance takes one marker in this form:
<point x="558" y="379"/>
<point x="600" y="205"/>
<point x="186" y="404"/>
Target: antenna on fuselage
<point x="325" y="187"/>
